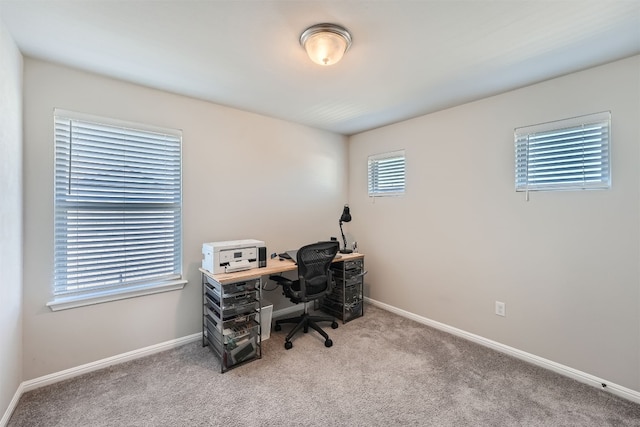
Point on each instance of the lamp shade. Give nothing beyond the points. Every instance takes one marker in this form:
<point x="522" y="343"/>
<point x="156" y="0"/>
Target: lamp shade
<point x="346" y="214"/>
<point x="325" y="43"/>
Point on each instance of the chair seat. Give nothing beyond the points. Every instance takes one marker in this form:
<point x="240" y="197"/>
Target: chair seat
<point x="292" y="289"/>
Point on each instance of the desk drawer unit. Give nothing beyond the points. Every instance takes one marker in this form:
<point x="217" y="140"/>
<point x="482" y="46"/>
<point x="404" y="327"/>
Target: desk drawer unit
<point x="231" y="320"/>
<point x="345" y="301"/>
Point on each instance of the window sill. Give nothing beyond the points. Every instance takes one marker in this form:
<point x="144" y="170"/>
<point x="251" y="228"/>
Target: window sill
<point x="114" y="295"/>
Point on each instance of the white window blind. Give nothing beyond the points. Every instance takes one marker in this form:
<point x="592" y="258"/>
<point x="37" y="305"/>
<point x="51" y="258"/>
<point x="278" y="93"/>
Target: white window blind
<point x="563" y="155"/>
<point x="118" y="199"/>
<point x="386" y="174"/>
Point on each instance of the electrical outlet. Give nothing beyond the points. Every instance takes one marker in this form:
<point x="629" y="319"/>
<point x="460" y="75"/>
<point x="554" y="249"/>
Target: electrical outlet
<point x="501" y="309"/>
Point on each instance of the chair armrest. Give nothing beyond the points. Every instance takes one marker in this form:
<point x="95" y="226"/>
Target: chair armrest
<point x="281" y="280"/>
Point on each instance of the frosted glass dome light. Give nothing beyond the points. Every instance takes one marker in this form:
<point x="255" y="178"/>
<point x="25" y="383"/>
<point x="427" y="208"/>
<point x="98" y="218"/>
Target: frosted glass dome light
<point x="325" y="43"/>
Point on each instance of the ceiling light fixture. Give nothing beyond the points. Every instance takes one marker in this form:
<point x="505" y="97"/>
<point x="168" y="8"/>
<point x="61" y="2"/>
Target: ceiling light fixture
<point x="325" y="43"/>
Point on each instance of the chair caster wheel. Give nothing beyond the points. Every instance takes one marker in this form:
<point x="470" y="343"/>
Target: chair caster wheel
<point x="334" y="325"/>
<point x="328" y="343"/>
<point x="278" y="327"/>
<point x="289" y="344"/>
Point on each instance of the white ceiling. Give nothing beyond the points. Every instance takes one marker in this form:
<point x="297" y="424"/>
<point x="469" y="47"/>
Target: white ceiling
<point x="408" y="58"/>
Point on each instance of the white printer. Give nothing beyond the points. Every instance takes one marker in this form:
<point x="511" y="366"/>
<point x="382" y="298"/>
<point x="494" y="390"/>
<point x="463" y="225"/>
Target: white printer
<point x="233" y="255"/>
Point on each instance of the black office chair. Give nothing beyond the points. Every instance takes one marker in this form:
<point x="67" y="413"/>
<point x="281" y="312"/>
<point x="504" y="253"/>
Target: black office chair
<point x="315" y="279"/>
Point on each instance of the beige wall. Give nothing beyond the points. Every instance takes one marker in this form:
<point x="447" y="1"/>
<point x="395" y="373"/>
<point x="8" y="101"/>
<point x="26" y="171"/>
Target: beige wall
<point x="10" y="219"/>
<point x="244" y="176"/>
<point x="565" y="263"/>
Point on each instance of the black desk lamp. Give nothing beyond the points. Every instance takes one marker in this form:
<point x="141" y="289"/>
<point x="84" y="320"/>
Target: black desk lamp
<point x="346" y="217"/>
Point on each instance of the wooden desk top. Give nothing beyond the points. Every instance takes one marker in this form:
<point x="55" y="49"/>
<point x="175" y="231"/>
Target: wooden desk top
<point x="274" y="266"/>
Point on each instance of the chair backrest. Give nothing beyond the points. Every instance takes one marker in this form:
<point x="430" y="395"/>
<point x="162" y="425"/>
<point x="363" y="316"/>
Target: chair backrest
<point x="314" y="268"/>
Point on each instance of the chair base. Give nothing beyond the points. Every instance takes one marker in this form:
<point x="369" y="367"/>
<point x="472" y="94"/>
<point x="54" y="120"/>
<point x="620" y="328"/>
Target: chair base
<point x="304" y="322"/>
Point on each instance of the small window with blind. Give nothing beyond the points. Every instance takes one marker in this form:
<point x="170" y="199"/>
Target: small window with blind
<point x="118" y="204"/>
<point x="571" y="154"/>
<point x="386" y="174"/>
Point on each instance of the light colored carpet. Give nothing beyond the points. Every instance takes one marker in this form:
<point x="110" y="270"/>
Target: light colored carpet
<point x="383" y="370"/>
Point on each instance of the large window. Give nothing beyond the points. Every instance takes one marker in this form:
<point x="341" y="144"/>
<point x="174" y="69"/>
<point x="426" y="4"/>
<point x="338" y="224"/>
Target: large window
<point x="564" y="155"/>
<point x="118" y="196"/>
<point x="386" y="174"/>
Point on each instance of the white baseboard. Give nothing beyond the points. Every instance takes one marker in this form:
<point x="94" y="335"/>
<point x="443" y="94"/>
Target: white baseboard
<point x="12" y="405"/>
<point x="109" y="361"/>
<point x="93" y="366"/>
<point x="567" y="371"/>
